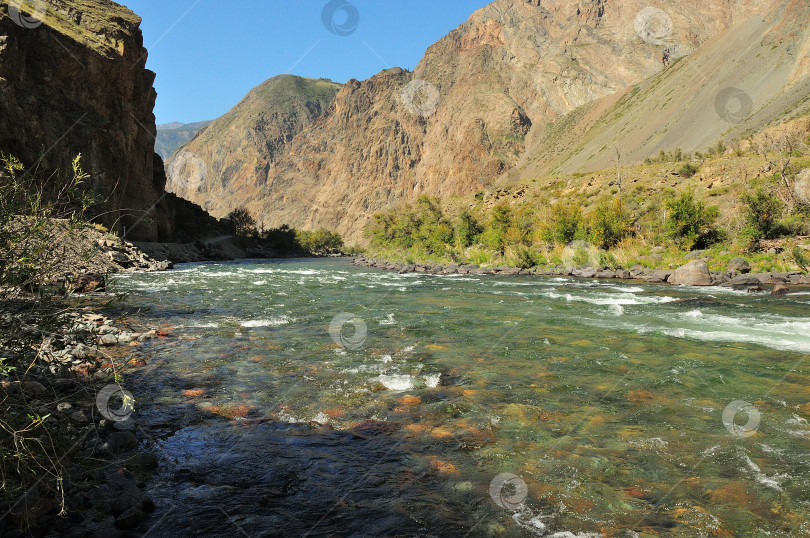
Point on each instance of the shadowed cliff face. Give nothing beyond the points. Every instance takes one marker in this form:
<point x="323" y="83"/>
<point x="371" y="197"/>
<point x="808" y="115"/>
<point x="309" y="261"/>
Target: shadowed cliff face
<point x="468" y="111"/>
<point x="74" y="82"/>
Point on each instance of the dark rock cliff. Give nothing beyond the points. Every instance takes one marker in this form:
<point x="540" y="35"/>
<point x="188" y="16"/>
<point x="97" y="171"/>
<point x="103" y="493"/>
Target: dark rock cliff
<point x="73" y="81"/>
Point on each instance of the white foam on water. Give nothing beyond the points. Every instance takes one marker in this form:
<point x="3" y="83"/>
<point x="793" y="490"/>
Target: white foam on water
<point x="797" y="421"/>
<point x="787" y="335"/>
<point x="396" y="383"/>
<point x="272" y="322"/>
<point x="260" y="283"/>
<point x="321" y="418"/>
<point x="389" y="320"/>
<point x="628" y="290"/>
<point x="387" y="358"/>
<point x="771" y="450"/>
<point x="289" y="418"/>
<point x="432" y="380"/>
<point x="616" y="310"/>
<point x="200" y="325"/>
<point x="604" y="299"/>
<point x="773" y="482"/>
<point x="648" y="444"/>
<point x="364" y="369"/>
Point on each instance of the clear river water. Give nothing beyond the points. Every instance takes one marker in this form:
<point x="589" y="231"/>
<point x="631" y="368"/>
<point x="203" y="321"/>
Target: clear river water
<point x="316" y="398"/>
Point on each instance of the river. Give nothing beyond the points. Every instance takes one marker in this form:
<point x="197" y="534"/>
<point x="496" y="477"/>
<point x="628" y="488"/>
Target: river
<point x="313" y="397"/>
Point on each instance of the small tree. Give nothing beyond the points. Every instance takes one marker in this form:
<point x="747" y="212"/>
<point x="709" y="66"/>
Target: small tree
<point x="610" y="223"/>
<point x="689" y="220"/>
<point x="468" y="230"/>
<point x="495" y="235"/>
<point x="762" y="213"/>
<point x="566" y="224"/>
<point x="243" y="223"/>
<point x="320" y="241"/>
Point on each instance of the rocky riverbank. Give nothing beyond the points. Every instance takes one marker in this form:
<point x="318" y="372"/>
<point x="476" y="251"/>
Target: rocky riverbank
<point x="738" y="274"/>
<point x="72" y="435"/>
<point x="79" y="257"/>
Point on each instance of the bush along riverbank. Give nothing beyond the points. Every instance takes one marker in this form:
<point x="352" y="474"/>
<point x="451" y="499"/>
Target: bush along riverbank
<point x="69" y="458"/>
<point x="746" y="199"/>
<point x="694" y="273"/>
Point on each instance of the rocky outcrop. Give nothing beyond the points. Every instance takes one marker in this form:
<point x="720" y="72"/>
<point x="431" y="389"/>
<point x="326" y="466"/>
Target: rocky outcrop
<point x="73" y="81"/>
<point x="753" y="73"/>
<point x="465" y="116"/>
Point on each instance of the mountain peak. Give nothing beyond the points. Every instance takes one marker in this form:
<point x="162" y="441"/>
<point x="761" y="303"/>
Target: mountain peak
<point x="478" y="108"/>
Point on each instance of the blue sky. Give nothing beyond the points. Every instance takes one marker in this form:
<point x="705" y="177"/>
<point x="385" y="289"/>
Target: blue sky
<point x="208" y="54"/>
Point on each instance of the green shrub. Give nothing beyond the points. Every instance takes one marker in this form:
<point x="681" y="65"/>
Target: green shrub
<point x="566" y="224"/>
<point x="500" y="221"/>
<point x="688" y="170"/>
<point x="28" y="204"/>
<point x="242" y="222"/>
<point x="610" y="223"/>
<point x="581" y="258"/>
<point x="762" y="214"/>
<point x="606" y="259"/>
<point x="468" y="230"/>
<point x="422" y="226"/>
<point x="282" y="239"/>
<point x="354" y="251"/>
<point x="526" y="258"/>
<point x="319" y="242"/>
<point x="801" y="258"/>
<point x="689" y="222"/>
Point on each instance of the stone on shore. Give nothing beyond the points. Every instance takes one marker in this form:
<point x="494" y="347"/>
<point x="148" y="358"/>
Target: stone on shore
<point x="658" y="276"/>
<point x="695" y="273"/>
<point x="738" y="266"/>
<point x="743" y="282"/>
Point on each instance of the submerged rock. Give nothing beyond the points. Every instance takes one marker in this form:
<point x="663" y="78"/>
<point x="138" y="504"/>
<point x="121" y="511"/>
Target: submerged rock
<point x="779" y="289"/>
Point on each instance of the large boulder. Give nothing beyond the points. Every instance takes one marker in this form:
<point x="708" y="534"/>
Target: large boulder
<point x="695" y="273"/>
<point x="738" y="266"/>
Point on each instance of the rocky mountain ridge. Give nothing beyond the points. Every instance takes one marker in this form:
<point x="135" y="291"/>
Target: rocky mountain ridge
<point x="171" y="136"/>
<point x="478" y="109"/>
<point x="242" y="144"/>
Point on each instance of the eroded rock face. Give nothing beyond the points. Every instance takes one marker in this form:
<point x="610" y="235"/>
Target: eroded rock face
<point x="76" y="84"/>
<point x="220" y="167"/>
<point x="465" y="115"/>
